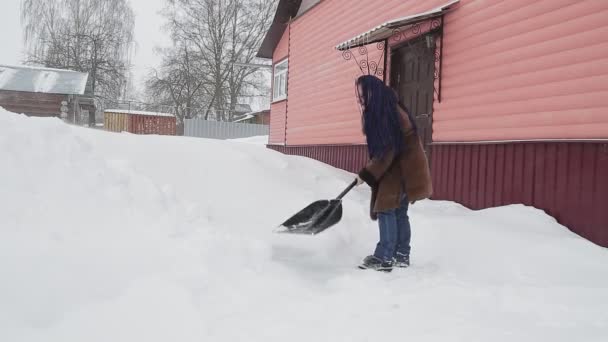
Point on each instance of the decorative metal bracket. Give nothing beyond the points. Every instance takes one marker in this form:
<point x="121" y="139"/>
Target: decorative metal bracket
<point x="415" y="30"/>
<point x="433" y="29"/>
<point x="366" y="66"/>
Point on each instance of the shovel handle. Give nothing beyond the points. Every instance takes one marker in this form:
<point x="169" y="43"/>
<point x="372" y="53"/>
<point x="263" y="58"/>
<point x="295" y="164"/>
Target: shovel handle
<point x="349" y="188"/>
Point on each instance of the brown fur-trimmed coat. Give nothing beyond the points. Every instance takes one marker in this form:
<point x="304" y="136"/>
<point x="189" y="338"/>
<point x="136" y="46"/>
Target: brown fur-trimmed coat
<point x="390" y="176"/>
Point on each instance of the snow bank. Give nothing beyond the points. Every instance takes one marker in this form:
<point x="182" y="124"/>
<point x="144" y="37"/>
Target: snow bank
<point x="256" y="140"/>
<point x="118" y="237"/>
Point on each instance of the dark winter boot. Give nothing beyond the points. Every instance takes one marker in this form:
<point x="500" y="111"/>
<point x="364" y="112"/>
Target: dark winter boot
<point x="401" y="260"/>
<point x="373" y="263"/>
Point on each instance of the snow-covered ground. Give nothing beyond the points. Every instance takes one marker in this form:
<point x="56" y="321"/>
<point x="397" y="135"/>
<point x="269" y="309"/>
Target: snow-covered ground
<point x="118" y="237"/>
<point x="257" y="140"/>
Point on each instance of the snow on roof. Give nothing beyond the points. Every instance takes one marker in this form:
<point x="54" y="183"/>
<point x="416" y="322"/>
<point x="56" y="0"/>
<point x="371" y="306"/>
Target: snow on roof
<point x="245" y="117"/>
<point x="42" y="80"/>
<point x="137" y="112"/>
<point x="250" y="115"/>
<point x="241" y="107"/>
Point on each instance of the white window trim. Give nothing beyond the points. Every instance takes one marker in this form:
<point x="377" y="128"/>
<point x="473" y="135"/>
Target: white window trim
<point x="280" y="93"/>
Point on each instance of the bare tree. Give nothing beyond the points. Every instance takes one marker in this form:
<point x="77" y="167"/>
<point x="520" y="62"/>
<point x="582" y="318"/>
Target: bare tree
<point x="217" y="34"/>
<point x="91" y="36"/>
<point x="177" y="81"/>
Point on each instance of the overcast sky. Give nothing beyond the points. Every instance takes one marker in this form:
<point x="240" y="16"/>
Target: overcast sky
<point x="148" y="34"/>
<point x="10" y="32"/>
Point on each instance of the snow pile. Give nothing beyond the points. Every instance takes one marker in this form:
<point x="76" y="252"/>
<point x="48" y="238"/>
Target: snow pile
<point x="118" y="237"/>
<point x="256" y="140"/>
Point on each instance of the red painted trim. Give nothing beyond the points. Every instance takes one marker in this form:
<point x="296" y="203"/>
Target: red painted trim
<point x="567" y="180"/>
<point x="534" y="141"/>
<point x="347" y="157"/>
<point x="319" y="145"/>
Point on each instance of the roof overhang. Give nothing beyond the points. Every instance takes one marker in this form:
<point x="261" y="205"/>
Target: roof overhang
<point x="386" y="30"/>
<point x="306" y="6"/>
<point x="286" y="10"/>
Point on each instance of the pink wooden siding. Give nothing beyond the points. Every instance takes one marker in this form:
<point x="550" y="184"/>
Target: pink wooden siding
<point x="322" y="106"/>
<point x="514" y="69"/>
<point x="282" y="49"/>
<point x="523" y="69"/>
<point x="277" y="123"/>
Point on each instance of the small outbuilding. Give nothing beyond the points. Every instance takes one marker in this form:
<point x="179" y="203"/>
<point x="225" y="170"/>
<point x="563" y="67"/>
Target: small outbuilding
<point x="139" y="122"/>
<point x="38" y="91"/>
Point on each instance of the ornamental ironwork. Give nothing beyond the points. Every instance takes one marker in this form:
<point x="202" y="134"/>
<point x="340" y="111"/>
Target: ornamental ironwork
<point x="432" y="30"/>
<point x="366" y="66"/>
<point x="415" y="30"/>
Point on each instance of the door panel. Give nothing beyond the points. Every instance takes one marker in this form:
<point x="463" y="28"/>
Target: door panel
<point x="412" y="76"/>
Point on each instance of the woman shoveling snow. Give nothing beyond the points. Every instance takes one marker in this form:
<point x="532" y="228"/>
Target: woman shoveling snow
<point x="397" y="171"/>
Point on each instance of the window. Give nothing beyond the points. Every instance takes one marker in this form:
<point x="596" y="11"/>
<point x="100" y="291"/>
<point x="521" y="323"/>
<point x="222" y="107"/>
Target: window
<point x="279" y="91"/>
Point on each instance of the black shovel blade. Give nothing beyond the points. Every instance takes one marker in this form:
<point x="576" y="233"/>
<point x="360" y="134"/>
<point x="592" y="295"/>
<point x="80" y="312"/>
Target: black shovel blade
<point x="314" y="219"/>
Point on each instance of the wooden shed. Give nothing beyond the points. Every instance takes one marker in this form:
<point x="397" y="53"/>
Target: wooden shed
<point x="139" y="122"/>
<point x="510" y="97"/>
<point x="38" y="91"/>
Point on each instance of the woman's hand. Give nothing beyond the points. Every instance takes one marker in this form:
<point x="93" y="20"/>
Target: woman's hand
<point x="359" y="181"/>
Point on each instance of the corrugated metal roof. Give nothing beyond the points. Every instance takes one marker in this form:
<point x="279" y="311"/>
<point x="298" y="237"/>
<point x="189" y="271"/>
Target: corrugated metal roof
<point x="42" y="80"/>
<point x="385" y="30"/>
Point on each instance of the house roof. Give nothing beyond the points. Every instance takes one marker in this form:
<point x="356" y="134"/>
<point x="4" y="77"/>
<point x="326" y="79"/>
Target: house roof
<point x="42" y="80"/>
<point x="386" y="29"/>
<point x="286" y="9"/>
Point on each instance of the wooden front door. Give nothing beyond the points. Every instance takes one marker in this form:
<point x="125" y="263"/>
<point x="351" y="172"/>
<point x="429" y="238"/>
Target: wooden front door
<point x="412" y="76"/>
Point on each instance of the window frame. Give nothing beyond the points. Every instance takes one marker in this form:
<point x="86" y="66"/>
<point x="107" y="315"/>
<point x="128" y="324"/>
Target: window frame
<point x="279" y="81"/>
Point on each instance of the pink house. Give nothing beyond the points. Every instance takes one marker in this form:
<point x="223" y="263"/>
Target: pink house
<point x="511" y="96"/>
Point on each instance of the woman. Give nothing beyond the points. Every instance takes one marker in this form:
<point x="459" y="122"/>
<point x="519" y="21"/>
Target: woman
<point x="397" y="171"/>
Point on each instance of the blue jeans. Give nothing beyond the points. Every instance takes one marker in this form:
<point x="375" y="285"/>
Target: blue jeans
<point x="395" y="232"/>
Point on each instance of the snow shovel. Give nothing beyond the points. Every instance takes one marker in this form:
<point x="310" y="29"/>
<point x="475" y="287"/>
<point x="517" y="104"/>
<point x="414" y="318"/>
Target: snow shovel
<point x="316" y="217"/>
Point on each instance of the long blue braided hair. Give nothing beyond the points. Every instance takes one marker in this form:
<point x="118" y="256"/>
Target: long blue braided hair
<point x="381" y="120"/>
